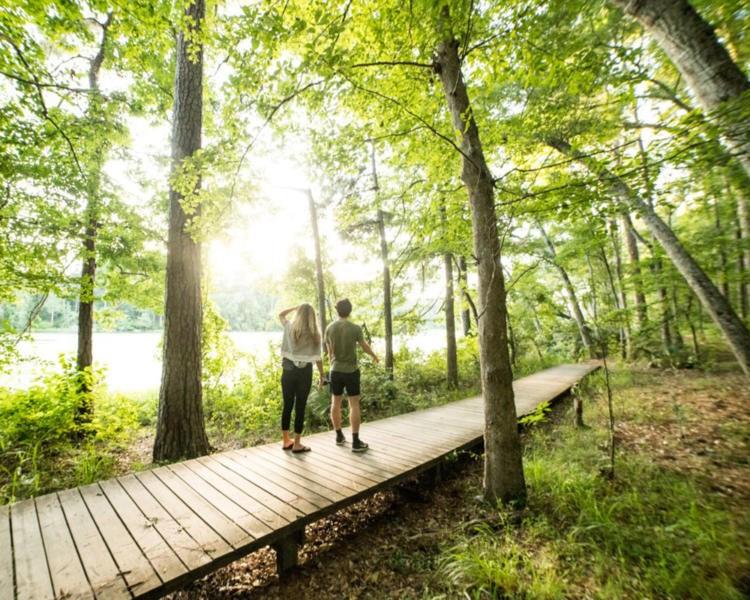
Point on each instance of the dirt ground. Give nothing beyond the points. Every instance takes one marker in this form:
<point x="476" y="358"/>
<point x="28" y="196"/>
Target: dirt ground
<point x="388" y="546"/>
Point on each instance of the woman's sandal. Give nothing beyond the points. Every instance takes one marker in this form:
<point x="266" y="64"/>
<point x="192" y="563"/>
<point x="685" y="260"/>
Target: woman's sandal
<point x="300" y="450"/>
<point x="289" y="447"/>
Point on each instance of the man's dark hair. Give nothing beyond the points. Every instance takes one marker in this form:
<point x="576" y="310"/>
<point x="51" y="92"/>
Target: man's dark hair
<point x="344" y="307"/>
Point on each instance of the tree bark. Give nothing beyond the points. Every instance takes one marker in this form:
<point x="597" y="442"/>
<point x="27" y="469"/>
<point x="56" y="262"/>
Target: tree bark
<point x="743" y="218"/>
<point x="320" y="283"/>
<point x="691" y="44"/>
<point x="463" y="284"/>
<point x="85" y="352"/>
<point x="387" y="305"/>
<point x="722" y="313"/>
<point x="451" y="354"/>
<point x="503" y="466"/>
<point x="180" y="430"/>
<point x="634" y="258"/>
<point x="627" y="350"/>
<point x="573" y="305"/>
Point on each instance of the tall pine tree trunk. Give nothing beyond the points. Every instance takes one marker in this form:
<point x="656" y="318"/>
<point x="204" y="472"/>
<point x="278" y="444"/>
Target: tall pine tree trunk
<point x="691" y="44"/>
<point x="503" y="466"/>
<point x="722" y="313"/>
<point x="180" y="430"/>
<point x="319" y="282"/>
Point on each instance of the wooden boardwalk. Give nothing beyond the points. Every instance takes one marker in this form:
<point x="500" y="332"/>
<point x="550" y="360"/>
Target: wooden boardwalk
<point x="148" y="533"/>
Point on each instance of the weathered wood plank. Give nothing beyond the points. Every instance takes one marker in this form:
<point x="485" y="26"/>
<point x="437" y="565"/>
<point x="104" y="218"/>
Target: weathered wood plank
<point x="175" y="533"/>
<point x="225" y="505"/>
<point x="32" y="573"/>
<point x="210" y="541"/>
<point x="306" y="465"/>
<point x="274" y="482"/>
<point x="284" y="509"/>
<point x="101" y="570"/>
<point x="163" y="559"/>
<point x="68" y="577"/>
<point x="6" y="556"/>
<point x="133" y="564"/>
<point x="249" y="504"/>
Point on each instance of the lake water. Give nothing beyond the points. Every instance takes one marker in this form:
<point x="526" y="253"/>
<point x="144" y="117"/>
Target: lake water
<point x="133" y="360"/>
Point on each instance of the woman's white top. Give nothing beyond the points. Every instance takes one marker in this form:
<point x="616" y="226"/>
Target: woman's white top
<point x="300" y="353"/>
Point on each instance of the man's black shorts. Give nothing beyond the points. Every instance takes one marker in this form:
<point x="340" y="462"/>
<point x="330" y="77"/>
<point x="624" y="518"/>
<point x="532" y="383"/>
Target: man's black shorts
<point x="341" y="381"/>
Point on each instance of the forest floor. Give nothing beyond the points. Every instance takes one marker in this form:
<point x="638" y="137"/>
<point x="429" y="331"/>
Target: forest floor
<point x="692" y="427"/>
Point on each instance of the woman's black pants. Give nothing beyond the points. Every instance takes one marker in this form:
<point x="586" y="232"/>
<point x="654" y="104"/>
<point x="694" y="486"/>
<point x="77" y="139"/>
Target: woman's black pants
<point x="295" y="387"/>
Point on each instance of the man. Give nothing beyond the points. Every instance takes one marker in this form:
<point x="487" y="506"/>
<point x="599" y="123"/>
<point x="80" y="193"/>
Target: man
<point x="342" y="337"/>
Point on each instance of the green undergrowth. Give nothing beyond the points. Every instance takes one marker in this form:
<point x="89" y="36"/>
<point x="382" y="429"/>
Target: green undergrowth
<point x="648" y="533"/>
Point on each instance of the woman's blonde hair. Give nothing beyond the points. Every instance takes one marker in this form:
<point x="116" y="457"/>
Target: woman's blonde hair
<point x="305" y="326"/>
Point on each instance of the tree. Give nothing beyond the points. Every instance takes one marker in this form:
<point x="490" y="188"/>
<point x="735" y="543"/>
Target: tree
<point x="719" y="85"/>
<point x="503" y="467"/>
<point x="180" y="431"/>
<point x="713" y="301"/>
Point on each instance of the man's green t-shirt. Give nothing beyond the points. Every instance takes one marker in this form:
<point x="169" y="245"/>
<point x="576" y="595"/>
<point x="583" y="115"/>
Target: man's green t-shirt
<point x="342" y="336"/>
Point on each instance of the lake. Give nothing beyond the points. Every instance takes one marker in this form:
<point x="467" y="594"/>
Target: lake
<point x="133" y="360"/>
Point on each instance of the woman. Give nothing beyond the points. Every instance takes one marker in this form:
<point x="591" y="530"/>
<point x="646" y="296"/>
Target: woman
<point x="300" y="347"/>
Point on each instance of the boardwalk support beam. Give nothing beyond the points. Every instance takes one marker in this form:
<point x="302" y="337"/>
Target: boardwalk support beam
<point x="286" y="550"/>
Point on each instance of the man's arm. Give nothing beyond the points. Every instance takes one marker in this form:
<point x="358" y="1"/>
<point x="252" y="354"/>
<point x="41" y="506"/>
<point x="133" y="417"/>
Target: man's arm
<point x="319" y="364"/>
<point x="367" y="350"/>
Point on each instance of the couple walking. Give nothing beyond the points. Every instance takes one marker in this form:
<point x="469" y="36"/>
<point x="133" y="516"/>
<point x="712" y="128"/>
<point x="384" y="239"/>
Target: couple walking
<point x="300" y="348"/>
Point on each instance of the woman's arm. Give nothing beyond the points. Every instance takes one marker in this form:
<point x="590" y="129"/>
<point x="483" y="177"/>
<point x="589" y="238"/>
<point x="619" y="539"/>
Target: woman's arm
<point x="319" y="364"/>
<point x="285" y="312"/>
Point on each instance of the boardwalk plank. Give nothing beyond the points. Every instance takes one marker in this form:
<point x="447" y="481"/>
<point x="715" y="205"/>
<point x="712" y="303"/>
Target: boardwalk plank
<point x="340" y="483"/>
<point x="6" y="556"/>
<point x="284" y="510"/>
<point x="101" y="570"/>
<point x="274" y="482"/>
<point x="260" y="461"/>
<point x="163" y="559"/>
<point x="306" y="465"/>
<point x="230" y="509"/>
<point x="176" y="533"/>
<point x="68" y="577"/>
<point x="136" y="568"/>
<point x="32" y="574"/>
<point x="187" y="515"/>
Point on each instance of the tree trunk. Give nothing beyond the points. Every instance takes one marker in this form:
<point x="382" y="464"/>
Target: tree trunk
<point x="180" y="430"/>
<point x="743" y="217"/>
<point x="691" y="44"/>
<point x="320" y="284"/>
<point x="716" y="305"/>
<point x="503" y="466"/>
<point x="573" y="304"/>
<point x="666" y="331"/>
<point x="627" y="350"/>
<point x="450" y="323"/>
<point x="463" y="284"/>
<point x="85" y="353"/>
<point x="387" y="307"/>
<point x="631" y="243"/>
<point x="720" y="246"/>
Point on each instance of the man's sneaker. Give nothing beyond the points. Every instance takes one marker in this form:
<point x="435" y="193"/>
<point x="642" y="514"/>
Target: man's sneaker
<point x="359" y="446"/>
<point x="340" y="439"/>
